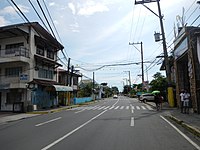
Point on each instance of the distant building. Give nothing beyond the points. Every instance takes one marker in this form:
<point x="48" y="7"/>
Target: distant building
<point x="28" y="62"/>
<point x="70" y="79"/>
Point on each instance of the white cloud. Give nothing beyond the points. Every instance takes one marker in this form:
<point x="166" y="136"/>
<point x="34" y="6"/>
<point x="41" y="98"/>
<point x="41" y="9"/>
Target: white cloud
<point x="11" y="11"/>
<point x="8" y="10"/>
<point x="91" y="7"/>
<point x="72" y="7"/>
<point x="74" y="27"/>
<point x="3" y="22"/>
<point x="52" y="4"/>
<point x="115" y="27"/>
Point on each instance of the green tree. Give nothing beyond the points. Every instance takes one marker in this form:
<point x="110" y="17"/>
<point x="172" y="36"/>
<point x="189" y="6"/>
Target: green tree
<point x="159" y="83"/>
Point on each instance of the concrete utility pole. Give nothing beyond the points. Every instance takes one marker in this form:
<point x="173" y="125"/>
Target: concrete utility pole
<point x="142" y="60"/>
<point x="167" y="65"/>
<point x="68" y="67"/>
<point x="129" y="75"/>
<point x="93" y="87"/>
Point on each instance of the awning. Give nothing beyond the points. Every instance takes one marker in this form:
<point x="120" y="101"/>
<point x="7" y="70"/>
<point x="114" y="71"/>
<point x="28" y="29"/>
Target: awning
<point x="63" y="88"/>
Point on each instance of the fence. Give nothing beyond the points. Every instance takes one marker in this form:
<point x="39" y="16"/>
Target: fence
<point x="82" y="100"/>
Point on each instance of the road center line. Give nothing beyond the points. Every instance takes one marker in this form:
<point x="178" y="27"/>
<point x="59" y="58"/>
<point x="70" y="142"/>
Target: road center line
<point x="132" y="122"/>
<point x="40" y="124"/>
<point x="68" y="134"/>
<point x="115" y="103"/>
<point x="132" y="111"/>
<point x="181" y="133"/>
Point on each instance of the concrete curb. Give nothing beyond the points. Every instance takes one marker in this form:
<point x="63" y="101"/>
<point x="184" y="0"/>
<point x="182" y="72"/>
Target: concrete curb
<point x="190" y="128"/>
<point x="60" y="109"/>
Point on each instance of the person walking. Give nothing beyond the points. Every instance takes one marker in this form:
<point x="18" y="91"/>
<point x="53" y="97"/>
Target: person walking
<point x="186" y="102"/>
<point x="182" y="100"/>
<point x="158" y="100"/>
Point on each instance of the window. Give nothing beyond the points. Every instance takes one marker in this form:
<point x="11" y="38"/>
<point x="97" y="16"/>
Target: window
<point x="40" y="50"/>
<point x="13" y="96"/>
<point x="13" y="72"/>
<point x="50" y="54"/>
<point x="45" y="73"/>
<point x="11" y="48"/>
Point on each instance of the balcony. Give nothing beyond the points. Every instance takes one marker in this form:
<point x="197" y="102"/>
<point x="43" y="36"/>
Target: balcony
<point x="17" y="54"/>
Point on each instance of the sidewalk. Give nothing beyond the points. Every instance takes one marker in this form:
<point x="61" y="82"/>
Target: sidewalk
<point x="189" y="121"/>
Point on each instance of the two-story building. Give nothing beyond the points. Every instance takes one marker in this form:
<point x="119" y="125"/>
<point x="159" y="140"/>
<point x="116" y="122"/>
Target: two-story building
<point x="70" y="79"/>
<point x="28" y="62"/>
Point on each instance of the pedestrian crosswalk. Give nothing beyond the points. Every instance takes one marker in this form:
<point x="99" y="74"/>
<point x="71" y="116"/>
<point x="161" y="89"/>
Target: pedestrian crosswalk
<point x="98" y="107"/>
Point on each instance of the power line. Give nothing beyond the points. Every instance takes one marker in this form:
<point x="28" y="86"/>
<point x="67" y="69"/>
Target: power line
<point x="38" y="15"/>
<point x="46" y="18"/>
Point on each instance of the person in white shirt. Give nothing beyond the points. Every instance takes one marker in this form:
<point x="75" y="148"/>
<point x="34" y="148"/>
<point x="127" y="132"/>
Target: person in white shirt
<point x="186" y="102"/>
<point x="182" y="100"/>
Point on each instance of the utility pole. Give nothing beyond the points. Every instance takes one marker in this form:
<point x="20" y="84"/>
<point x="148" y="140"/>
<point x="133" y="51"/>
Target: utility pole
<point x="68" y="67"/>
<point x="93" y="87"/>
<point x="142" y="60"/>
<point x="71" y="76"/>
<point x="167" y="65"/>
<point x="129" y="75"/>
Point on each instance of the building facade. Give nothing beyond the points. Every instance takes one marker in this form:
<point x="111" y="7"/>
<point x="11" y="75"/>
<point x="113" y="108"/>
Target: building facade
<point x="187" y="65"/>
<point x="28" y="62"/>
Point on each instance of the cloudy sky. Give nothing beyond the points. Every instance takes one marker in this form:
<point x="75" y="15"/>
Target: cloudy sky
<point x="97" y="33"/>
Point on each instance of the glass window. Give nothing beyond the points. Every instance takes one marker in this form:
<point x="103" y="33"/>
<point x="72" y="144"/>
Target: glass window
<point x="13" y="72"/>
<point x="50" y="54"/>
<point x="11" y="48"/>
<point x="45" y="73"/>
<point x="40" y="50"/>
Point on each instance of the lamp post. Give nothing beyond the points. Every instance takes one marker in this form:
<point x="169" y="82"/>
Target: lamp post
<point x="167" y="66"/>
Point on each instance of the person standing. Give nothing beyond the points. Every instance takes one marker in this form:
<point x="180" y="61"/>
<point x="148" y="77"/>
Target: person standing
<point x="182" y="100"/>
<point x="186" y="102"/>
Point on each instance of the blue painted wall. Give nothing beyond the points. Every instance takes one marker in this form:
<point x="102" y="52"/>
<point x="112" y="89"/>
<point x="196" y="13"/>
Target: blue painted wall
<point x="82" y="100"/>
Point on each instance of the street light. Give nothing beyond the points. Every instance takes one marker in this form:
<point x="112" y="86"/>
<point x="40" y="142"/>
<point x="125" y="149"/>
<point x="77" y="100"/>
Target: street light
<point x="170" y="88"/>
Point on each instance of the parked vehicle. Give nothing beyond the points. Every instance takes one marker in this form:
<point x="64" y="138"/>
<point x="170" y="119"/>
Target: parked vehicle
<point x="146" y="97"/>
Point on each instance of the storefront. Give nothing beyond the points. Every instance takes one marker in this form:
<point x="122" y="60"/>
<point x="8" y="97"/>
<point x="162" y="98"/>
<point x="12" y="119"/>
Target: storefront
<point x="186" y="65"/>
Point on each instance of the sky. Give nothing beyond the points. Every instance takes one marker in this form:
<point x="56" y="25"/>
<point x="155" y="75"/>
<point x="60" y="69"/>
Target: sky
<point x="96" y="33"/>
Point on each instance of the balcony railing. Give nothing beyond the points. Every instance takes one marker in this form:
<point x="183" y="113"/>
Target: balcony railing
<point x="13" y="52"/>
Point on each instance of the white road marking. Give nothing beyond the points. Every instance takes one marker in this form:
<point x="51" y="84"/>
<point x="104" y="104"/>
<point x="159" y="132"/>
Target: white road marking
<point x="127" y="107"/>
<point x="101" y="107"/>
<point x="132" y="122"/>
<point x="138" y="107"/>
<point x="132" y="107"/>
<point x="106" y="107"/>
<point x="149" y="107"/>
<point x="117" y="107"/>
<point x="143" y="107"/>
<point x="132" y="111"/>
<point x="68" y="134"/>
<point x="111" y="107"/>
<point x="115" y="102"/>
<point x="40" y="124"/>
<point x="79" y="111"/>
<point x="122" y="107"/>
<point x="181" y="133"/>
<point x="96" y="107"/>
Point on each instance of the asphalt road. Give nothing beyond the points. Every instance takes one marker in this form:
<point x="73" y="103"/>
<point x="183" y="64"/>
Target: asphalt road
<point x="111" y="124"/>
